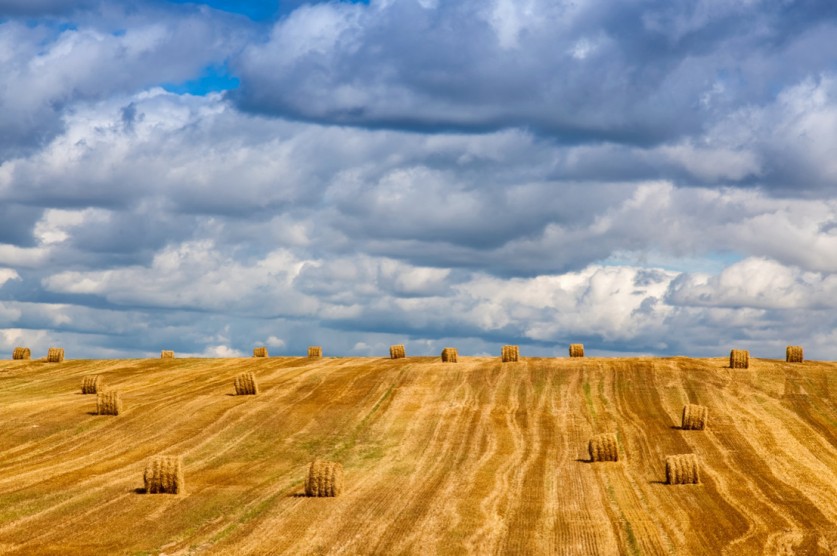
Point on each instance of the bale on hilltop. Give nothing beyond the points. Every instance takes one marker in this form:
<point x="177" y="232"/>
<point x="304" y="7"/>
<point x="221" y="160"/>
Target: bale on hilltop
<point x="315" y="352"/>
<point x="21" y="353"/>
<point x="739" y="359"/>
<point x="510" y="354"/>
<point x="682" y="469"/>
<point x="397" y="351"/>
<point x="108" y="403"/>
<point x="603" y="447"/>
<point x="450" y="355"/>
<point x="164" y="475"/>
<point x="91" y="384"/>
<point x="325" y="478"/>
<point x="260" y="351"/>
<point x="576" y="350"/>
<point x="167" y="354"/>
<point x="246" y="385"/>
<point x="55" y="355"/>
<point x="793" y="354"/>
<point x="694" y="417"/>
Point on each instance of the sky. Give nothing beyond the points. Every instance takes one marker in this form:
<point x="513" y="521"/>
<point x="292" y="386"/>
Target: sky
<point x="641" y="176"/>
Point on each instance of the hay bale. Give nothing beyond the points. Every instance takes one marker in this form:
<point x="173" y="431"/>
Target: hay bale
<point x="21" y="353"/>
<point x="793" y="354"/>
<point x="55" y="355"/>
<point x="108" y="403"/>
<point x="260" y="351"/>
<point x="246" y="385"/>
<point x="315" y="352"/>
<point x="694" y="417"/>
<point x="450" y="355"/>
<point x="164" y="475"/>
<point x="602" y="447"/>
<point x="397" y="351"/>
<point x="576" y="350"/>
<point x="91" y="384"/>
<point x="510" y="354"/>
<point x="325" y="478"/>
<point x="682" y="469"/>
<point x="739" y="359"/>
<point x="166" y="354"/>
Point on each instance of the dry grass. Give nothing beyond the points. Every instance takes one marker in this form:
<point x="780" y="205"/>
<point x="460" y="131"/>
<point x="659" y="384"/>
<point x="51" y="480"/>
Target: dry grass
<point x="603" y="447"/>
<point x="793" y="354"/>
<point x="450" y="355"/>
<point x="315" y="352"/>
<point x="682" y="469"/>
<point x="739" y="359"/>
<point x="55" y="355"/>
<point x="397" y="351"/>
<point x="694" y="417"/>
<point x="246" y="385"/>
<point x="21" y="353"/>
<point x="260" y="351"/>
<point x="108" y="403"/>
<point x="325" y="478"/>
<point x="167" y="354"/>
<point x="576" y="350"/>
<point x="164" y="475"/>
<point x="510" y="354"/>
<point x="91" y="384"/>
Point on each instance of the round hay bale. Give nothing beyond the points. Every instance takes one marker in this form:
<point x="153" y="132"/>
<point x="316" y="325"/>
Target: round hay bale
<point x="21" y="353"/>
<point x="108" y="403"/>
<point x="694" y="417"/>
<point x="602" y="447"/>
<point x="55" y="355"/>
<point x="315" y="352"/>
<point x="682" y="469"/>
<point x="325" y="478"/>
<point x="164" y="475"/>
<point x="91" y="384"/>
<point x="510" y="354"/>
<point x="739" y="359"/>
<point x="167" y="354"/>
<point x="260" y="351"/>
<point x="246" y="385"/>
<point x="397" y="351"/>
<point x="450" y="355"/>
<point x="793" y="354"/>
<point x="576" y="350"/>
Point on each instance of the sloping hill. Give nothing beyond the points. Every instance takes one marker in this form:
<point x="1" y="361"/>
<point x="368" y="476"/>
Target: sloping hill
<point x="477" y="457"/>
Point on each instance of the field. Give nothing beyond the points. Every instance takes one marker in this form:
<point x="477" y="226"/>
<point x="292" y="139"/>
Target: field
<point x="478" y="457"/>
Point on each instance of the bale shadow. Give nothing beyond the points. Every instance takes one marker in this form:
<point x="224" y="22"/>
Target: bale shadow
<point x="656" y="482"/>
<point x="677" y="428"/>
<point x="297" y="495"/>
<point x="140" y="490"/>
<point x="584" y="460"/>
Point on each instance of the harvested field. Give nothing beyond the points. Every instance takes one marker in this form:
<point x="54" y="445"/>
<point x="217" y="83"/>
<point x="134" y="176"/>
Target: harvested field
<point x="473" y="458"/>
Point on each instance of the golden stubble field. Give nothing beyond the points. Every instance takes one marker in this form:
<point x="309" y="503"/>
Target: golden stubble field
<point x="478" y="457"/>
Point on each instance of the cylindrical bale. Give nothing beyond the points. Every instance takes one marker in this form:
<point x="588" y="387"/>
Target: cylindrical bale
<point x="55" y="355"/>
<point x="91" y="384"/>
<point x="246" y="385"/>
<point x="694" y="418"/>
<point x="21" y="353"/>
<point x="315" y="352"/>
<point x="450" y="355"/>
<point x="576" y="350"/>
<point x="164" y="475"/>
<point x="510" y="354"/>
<point x="108" y="403"/>
<point x="397" y="351"/>
<point x="793" y="354"/>
<point x="682" y="469"/>
<point x="260" y="351"/>
<point x="603" y="447"/>
<point x="739" y="359"/>
<point x="167" y="354"/>
<point x="325" y="478"/>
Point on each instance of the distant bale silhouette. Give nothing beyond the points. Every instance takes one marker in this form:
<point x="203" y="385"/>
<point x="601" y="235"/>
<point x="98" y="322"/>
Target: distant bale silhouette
<point x="167" y="354"/>
<point x="164" y="475"/>
<point x="21" y="353"/>
<point x="325" y="478"/>
<point x="315" y="352"/>
<point x="260" y="351"/>
<point x="694" y="417"/>
<point x="397" y="351"/>
<point x="91" y="384"/>
<point x="510" y="354"/>
<point x="450" y="355"/>
<point x="793" y="354"/>
<point x="739" y="359"/>
<point x="55" y="355"/>
<point x="576" y="350"/>
<point x="603" y="447"/>
<point x="108" y="403"/>
<point x="682" y="470"/>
